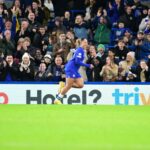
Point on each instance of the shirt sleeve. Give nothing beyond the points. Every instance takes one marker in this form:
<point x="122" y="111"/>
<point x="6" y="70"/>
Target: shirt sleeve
<point x="79" y="59"/>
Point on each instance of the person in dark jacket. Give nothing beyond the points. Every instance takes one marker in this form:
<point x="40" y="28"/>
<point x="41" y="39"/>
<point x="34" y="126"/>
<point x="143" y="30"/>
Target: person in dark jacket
<point x="26" y="69"/>
<point x="129" y="19"/>
<point x="11" y="71"/>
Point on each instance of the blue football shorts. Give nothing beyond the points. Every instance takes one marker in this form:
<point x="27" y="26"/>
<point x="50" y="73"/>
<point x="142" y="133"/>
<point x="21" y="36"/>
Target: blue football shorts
<point x="72" y="74"/>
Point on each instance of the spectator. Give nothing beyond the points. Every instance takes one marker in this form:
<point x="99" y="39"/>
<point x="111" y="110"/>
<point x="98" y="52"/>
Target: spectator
<point x="94" y="59"/>
<point x="24" y="31"/>
<point x="40" y="38"/>
<point x="121" y="50"/>
<point x="117" y="33"/>
<point x="115" y="10"/>
<point x="7" y="45"/>
<point x="102" y="32"/>
<point x="26" y="69"/>
<point x="57" y="70"/>
<point x="2" y="66"/>
<point x="18" y="9"/>
<point x="127" y="68"/>
<point x="59" y="27"/>
<point x="33" y="24"/>
<point x="138" y="46"/>
<point x="47" y="60"/>
<point x="8" y="24"/>
<point x="143" y="72"/>
<point x="48" y="4"/>
<point x="109" y="71"/>
<point x="129" y="19"/>
<point x="11" y="70"/>
<point x="37" y="58"/>
<point x="62" y="47"/>
<point x="67" y="21"/>
<point x="101" y="52"/>
<point x="37" y="10"/>
<point x="144" y="22"/>
<point x="42" y="74"/>
<point x="80" y="28"/>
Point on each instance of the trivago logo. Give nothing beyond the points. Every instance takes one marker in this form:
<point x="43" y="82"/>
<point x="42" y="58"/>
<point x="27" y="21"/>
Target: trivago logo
<point x="134" y="97"/>
<point x="3" y="98"/>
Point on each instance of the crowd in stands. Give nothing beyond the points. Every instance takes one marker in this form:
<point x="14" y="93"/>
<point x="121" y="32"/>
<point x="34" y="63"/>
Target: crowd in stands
<point x="38" y="37"/>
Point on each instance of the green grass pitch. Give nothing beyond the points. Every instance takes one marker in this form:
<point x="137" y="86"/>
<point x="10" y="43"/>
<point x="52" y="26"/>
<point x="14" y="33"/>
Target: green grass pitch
<point x="74" y="127"/>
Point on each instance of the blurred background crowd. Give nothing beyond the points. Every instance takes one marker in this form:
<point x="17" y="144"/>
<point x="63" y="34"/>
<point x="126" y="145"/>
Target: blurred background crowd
<point x="38" y="37"/>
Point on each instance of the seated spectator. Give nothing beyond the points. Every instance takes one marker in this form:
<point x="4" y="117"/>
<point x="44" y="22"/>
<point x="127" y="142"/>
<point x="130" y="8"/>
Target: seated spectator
<point x="42" y="74"/>
<point x="37" y="58"/>
<point x="57" y="70"/>
<point x="47" y="60"/>
<point x="111" y="55"/>
<point x="121" y="50"/>
<point x="101" y="52"/>
<point x="11" y="70"/>
<point x="127" y="68"/>
<point x="143" y="72"/>
<point x="102" y="32"/>
<point x="97" y="69"/>
<point x="93" y="74"/>
<point x="26" y="69"/>
<point x="109" y="71"/>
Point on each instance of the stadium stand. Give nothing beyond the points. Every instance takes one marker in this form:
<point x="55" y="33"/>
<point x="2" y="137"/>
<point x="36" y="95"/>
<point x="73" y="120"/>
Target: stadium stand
<point x="34" y="34"/>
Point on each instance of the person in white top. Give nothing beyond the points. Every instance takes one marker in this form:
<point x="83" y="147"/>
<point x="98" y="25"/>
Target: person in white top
<point x="144" y="22"/>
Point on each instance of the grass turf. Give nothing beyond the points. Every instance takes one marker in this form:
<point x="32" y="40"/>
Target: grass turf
<point x="68" y="127"/>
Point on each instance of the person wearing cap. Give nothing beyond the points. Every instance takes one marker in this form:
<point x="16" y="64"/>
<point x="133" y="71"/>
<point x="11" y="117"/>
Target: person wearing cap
<point x="138" y="46"/>
<point x="26" y="69"/>
<point x="101" y="53"/>
<point x="47" y="60"/>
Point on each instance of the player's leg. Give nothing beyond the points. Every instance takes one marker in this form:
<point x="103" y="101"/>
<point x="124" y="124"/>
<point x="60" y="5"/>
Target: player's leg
<point x="65" y="89"/>
<point x="78" y="83"/>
